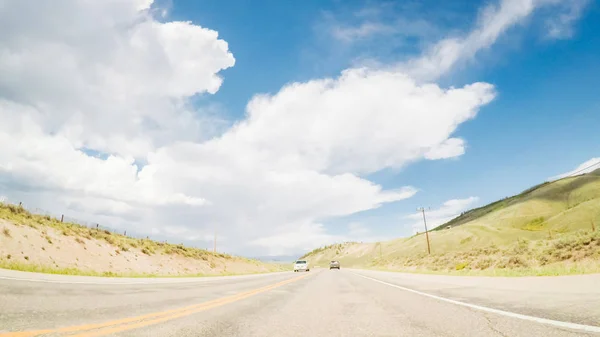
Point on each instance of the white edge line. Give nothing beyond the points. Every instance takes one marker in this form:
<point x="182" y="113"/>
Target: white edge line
<point x="574" y="326"/>
<point x="183" y="280"/>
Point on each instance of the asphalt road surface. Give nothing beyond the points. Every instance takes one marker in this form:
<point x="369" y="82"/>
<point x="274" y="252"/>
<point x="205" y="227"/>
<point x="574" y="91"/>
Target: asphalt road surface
<point x="317" y="303"/>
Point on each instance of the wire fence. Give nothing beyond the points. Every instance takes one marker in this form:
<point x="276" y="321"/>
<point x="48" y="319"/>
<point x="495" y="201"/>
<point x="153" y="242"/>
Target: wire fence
<point x="65" y="218"/>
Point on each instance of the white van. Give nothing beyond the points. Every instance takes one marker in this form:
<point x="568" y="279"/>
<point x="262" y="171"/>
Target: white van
<point x="301" y="265"/>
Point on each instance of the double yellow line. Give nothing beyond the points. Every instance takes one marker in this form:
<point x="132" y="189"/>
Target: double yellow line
<point x="120" y="325"/>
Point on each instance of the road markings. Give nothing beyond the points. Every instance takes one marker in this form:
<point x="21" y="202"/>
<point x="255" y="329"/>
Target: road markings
<point x="561" y="324"/>
<point x="152" y="318"/>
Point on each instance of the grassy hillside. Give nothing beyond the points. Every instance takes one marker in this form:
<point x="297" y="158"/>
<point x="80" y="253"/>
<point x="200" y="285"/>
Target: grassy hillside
<point x="548" y="229"/>
<point x="32" y="242"/>
<point x="556" y="190"/>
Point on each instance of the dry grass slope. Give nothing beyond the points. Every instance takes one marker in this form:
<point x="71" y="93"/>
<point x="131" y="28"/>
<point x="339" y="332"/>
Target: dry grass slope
<point x="37" y="243"/>
<point x="549" y="229"/>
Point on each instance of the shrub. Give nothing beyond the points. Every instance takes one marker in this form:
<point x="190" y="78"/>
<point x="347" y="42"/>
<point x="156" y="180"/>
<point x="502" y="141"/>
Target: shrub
<point x="461" y="266"/>
<point x="48" y="239"/>
<point x="517" y="261"/>
<point x="484" y="263"/>
<point x="79" y="240"/>
<point x="16" y="209"/>
<point x="147" y="250"/>
<point x="535" y="225"/>
<point x="6" y="232"/>
<point x="521" y="247"/>
<point x="466" y="240"/>
<point x="109" y="239"/>
<point x="564" y="255"/>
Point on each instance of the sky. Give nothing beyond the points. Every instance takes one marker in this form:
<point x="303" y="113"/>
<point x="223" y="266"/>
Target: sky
<point x="284" y="126"/>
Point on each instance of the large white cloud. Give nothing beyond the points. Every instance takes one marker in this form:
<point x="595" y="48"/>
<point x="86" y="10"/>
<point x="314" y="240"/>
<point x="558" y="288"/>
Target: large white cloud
<point x="361" y="122"/>
<point x="86" y="77"/>
<point x="104" y="74"/>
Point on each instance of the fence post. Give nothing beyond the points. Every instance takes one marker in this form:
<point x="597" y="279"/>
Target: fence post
<point x="125" y="233"/>
<point x="96" y="226"/>
<point x="20" y="204"/>
<point x="62" y="217"/>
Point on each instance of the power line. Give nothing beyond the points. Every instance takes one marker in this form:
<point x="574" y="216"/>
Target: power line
<point x="583" y="169"/>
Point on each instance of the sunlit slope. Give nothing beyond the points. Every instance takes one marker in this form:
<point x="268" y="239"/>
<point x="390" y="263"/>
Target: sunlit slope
<point x="31" y="242"/>
<point x="545" y="212"/>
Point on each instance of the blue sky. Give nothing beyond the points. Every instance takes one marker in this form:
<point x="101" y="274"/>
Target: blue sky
<point x="284" y="125"/>
<point x="542" y="123"/>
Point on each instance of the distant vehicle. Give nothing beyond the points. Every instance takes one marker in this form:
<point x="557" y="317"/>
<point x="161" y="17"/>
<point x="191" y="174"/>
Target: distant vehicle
<point x="301" y="265"/>
<point x="334" y="265"/>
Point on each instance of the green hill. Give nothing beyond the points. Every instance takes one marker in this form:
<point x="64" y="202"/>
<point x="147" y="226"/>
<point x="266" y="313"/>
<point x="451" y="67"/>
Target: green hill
<point x="547" y="229"/>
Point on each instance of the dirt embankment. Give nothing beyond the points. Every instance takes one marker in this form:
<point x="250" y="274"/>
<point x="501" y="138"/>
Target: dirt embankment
<point x="39" y="243"/>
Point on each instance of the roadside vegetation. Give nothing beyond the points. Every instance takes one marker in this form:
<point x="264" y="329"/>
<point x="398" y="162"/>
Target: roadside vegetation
<point x="549" y="229"/>
<point x="36" y="243"/>
<point x="6" y="263"/>
<point x="20" y="216"/>
<point x="572" y="253"/>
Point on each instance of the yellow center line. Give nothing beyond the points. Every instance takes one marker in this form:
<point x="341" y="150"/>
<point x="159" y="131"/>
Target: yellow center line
<point x="152" y="318"/>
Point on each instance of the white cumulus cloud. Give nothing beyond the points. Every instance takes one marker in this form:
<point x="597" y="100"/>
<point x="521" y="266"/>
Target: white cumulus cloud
<point x="96" y="122"/>
<point x="104" y="74"/>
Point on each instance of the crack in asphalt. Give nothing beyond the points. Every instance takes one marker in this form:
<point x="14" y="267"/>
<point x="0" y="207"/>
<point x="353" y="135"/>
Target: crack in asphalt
<point x="491" y="326"/>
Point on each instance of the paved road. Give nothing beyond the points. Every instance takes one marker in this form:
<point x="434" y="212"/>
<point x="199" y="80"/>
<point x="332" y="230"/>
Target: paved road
<point x="318" y="303"/>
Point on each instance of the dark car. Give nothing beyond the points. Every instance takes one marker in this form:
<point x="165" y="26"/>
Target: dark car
<point x="334" y="264"/>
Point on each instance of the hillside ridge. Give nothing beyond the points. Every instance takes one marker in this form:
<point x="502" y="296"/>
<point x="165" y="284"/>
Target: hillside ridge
<point x="475" y="213"/>
<point x="550" y="228"/>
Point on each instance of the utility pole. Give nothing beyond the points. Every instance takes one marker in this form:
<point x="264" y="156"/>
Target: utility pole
<point x="422" y="209"/>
